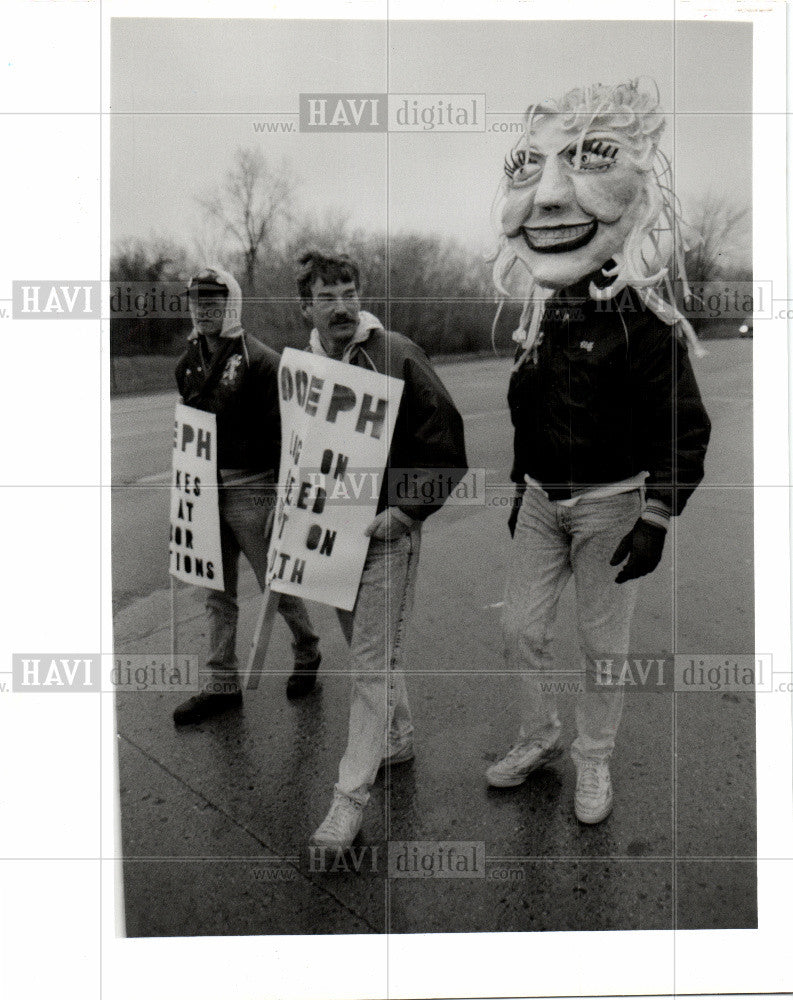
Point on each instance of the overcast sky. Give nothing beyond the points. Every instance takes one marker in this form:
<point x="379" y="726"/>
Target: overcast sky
<point x="188" y="92"/>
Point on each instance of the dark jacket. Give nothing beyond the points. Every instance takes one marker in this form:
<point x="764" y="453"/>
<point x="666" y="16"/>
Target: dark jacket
<point x="427" y="457"/>
<point x="609" y="394"/>
<point x="241" y="388"/>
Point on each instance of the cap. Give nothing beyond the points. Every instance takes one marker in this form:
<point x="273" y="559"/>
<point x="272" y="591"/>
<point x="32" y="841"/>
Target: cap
<point x="207" y="283"/>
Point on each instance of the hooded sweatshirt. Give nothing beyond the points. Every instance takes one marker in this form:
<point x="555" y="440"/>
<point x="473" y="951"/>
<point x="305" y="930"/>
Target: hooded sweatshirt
<point x="239" y="384"/>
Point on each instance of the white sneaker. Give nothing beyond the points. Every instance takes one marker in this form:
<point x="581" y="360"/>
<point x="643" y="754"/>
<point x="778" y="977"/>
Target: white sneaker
<point x="517" y="765"/>
<point x="399" y="753"/>
<point x="593" y="794"/>
<point x="340" y="827"/>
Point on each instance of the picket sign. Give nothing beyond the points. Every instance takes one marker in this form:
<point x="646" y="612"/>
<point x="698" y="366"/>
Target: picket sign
<point x="337" y="421"/>
<point x="194" y="549"/>
<point x="174" y="644"/>
<point x="260" y="642"/>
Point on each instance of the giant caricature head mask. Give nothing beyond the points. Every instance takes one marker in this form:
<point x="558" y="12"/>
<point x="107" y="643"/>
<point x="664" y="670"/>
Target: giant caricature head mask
<point x="569" y="209"/>
<point x="574" y="183"/>
<point x="587" y="189"/>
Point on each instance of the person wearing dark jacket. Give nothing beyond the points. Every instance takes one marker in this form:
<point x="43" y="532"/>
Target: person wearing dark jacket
<point x="227" y="372"/>
<point x="610" y="392"/>
<point x="427" y="450"/>
<point x="610" y="436"/>
<point x="610" y="433"/>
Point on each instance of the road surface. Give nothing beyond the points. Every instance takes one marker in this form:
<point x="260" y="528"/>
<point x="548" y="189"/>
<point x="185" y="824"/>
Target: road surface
<point x="216" y="818"/>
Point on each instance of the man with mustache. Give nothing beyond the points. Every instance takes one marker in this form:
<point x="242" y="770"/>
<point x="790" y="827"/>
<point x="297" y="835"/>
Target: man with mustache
<point x="610" y="433"/>
<point x="428" y="437"/>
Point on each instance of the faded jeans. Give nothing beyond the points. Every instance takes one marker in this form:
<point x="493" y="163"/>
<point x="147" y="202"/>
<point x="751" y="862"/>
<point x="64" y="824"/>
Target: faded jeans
<point x="551" y="543"/>
<point x="375" y="631"/>
<point x="244" y="511"/>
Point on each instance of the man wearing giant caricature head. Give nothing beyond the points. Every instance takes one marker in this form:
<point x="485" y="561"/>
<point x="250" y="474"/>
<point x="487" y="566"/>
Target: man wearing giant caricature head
<point x="610" y="433"/>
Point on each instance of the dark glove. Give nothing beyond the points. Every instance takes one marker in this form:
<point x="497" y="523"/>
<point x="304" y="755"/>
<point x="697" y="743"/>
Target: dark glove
<point x="644" y="545"/>
<point x="517" y="500"/>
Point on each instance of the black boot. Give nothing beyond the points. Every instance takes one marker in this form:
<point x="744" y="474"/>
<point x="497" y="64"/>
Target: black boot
<point x="204" y="705"/>
<point x="303" y="679"/>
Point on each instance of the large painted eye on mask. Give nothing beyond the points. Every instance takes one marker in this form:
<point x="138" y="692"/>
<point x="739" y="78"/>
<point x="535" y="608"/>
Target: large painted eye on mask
<point x="596" y="154"/>
<point x="520" y="167"/>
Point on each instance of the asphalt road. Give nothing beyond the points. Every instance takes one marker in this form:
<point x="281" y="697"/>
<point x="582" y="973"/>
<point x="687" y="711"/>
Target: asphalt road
<point x="215" y="819"/>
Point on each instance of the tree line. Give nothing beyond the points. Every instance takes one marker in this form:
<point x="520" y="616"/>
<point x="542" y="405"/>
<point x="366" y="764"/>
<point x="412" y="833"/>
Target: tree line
<point x="433" y="289"/>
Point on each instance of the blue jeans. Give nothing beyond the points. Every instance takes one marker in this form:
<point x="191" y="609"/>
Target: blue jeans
<point x="244" y="511"/>
<point x="552" y="543"/>
<point x="375" y="630"/>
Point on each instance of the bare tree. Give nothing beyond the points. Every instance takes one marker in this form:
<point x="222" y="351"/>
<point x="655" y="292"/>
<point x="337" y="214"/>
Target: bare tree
<point x="254" y="201"/>
<point x="155" y="259"/>
<point x="725" y="247"/>
<point x="209" y="245"/>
